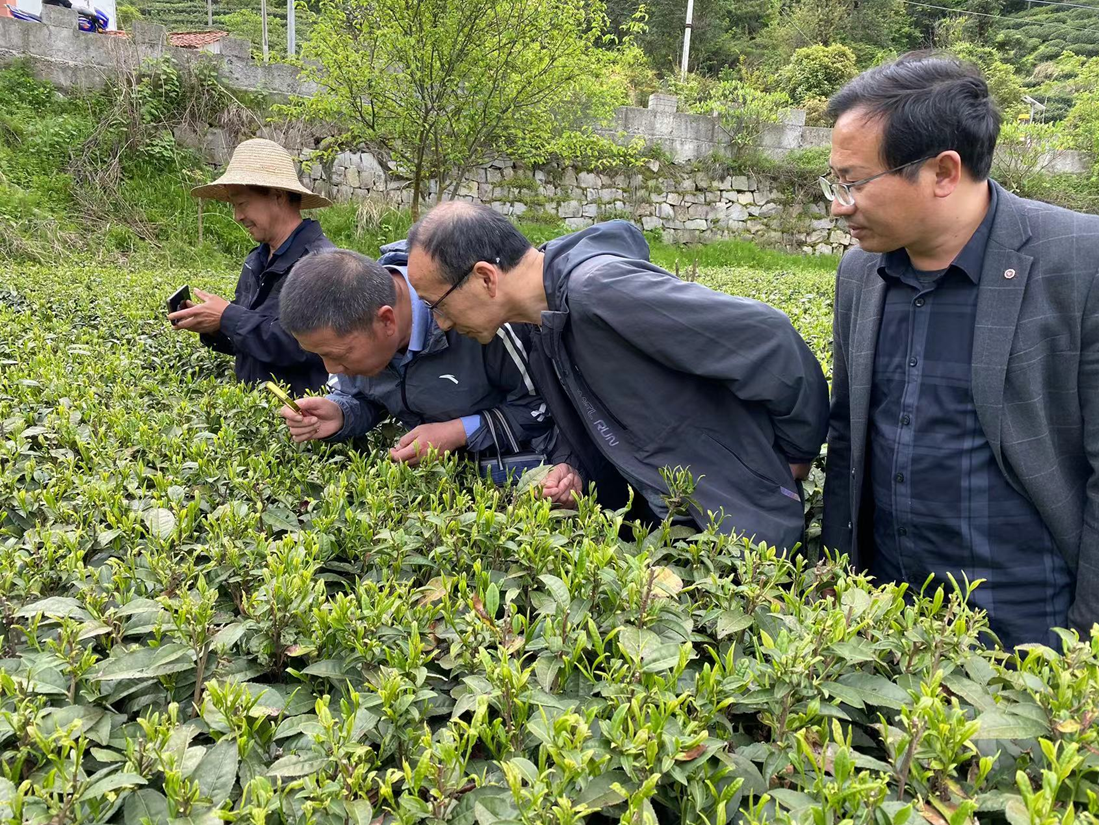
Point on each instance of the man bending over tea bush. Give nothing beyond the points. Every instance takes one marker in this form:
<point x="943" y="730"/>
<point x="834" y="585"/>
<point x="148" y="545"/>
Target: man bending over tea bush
<point x="261" y="184"/>
<point x="387" y="356"/>
<point x="641" y="370"/>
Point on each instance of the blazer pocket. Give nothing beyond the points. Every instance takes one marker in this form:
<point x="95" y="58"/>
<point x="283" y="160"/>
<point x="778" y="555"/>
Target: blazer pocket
<point x="1051" y="344"/>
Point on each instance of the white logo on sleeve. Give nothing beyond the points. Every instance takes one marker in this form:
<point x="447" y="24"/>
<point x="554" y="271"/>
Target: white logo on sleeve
<point x="449" y="377"/>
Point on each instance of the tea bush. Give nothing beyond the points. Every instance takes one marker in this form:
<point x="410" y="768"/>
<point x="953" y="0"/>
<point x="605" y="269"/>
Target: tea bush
<point x="201" y="622"/>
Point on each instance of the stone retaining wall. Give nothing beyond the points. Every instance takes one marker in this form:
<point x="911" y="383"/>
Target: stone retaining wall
<point x="683" y="207"/>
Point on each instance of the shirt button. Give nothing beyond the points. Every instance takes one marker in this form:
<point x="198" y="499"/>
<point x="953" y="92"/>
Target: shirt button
<point x="852" y="471"/>
<point x="848" y="525"/>
<point x="899" y="478"/>
<point x="918" y="302"/>
<point x="913" y="361"/>
<point x="902" y="531"/>
<point x="906" y="419"/>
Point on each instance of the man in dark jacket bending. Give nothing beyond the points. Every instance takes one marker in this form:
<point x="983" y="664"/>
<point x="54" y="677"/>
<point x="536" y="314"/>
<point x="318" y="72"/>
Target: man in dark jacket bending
<point x="262" y="186"/>
<point x="641" y="370"/>
<point x="388" y="357"/>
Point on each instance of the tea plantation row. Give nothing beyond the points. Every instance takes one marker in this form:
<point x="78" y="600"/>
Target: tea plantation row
<point x="202" y="622"/>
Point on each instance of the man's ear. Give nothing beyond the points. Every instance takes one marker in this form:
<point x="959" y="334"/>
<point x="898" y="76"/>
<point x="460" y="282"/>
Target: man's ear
<point x="488" y="275"/>
<point x="385" y="322"/>
<point x="948" y="171"/>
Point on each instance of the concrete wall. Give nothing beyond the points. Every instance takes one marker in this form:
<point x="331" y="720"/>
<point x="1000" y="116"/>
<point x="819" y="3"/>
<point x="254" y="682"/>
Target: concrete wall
<point x="59" y="52"/>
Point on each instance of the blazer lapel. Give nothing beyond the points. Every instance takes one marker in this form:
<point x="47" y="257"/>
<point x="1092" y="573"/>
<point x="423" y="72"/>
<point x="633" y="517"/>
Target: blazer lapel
<point x="1000" y="297"/>
<point x="864" y="343"/>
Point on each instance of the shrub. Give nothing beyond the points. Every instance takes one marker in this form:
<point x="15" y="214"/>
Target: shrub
<point x="817" y="72"/>
<point x="202" y="621"/>
<point x="743" y="110"/>
<point x="1005" y="88"/>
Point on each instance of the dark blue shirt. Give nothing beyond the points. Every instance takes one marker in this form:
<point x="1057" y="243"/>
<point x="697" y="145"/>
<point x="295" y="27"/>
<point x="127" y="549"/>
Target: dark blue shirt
<point x="941" y="502"/>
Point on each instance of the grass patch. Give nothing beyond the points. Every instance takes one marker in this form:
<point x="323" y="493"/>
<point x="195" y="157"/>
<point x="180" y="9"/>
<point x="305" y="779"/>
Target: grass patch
<point x="739" y="254"/>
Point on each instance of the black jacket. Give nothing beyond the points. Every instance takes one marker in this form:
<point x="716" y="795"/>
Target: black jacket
<point x="644" y="371"/>
<point x="250" y="327"/>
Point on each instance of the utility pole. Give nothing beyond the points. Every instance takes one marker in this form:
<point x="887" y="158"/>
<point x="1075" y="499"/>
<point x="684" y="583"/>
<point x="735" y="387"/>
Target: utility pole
<point x="290" y="35"/>
<point x="263" y="14"/>
<point x="687" y="39"/>
<point x="209" y="14"/>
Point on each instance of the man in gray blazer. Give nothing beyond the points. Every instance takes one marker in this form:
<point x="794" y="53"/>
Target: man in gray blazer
<point x="964" y="435"/>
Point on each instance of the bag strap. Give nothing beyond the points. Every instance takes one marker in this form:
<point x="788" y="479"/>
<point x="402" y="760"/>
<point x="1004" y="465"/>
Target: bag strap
<point x="495" y="440"/>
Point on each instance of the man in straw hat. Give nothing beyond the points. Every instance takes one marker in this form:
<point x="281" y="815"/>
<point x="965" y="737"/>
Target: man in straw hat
<point x="262" y="185"/>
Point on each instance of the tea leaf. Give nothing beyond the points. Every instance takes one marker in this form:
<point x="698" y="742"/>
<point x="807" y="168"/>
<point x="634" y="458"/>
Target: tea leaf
<point x="146" y="663"/>
<point x="161" y="522"/>
<point x="1000" y="724"/>
<point x="216" y="774"/>
<point x="145" y="805"/>
<point x="55" y="607"/>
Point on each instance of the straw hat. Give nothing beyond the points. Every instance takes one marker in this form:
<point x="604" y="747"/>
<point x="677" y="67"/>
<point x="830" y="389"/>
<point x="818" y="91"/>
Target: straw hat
<point x="260" y="162"/>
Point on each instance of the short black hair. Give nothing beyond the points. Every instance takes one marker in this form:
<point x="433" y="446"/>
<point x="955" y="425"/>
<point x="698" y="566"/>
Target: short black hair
<point x="457" y="235"/>
<point x="928" y="104"/>
<point x="335" y="289"/>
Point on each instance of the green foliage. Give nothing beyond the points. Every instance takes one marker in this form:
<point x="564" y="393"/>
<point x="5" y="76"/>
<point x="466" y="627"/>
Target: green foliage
<point x="100" y="173"/>
<point x="1040" y="32"/>
<point x="870" y="28"/>
<point x="1082" y="121"/>
<point x="450" y="85"/>
<point x="722" y="31"/>
<point x="581" y="148"/>
<point x="202" y="621"/>
<point x="1025" y="152"/>
<point x="818" y="72"/>
<point x="1005" y="88"/>
<point x="743" y="109"/>
<point x="190" y="15"/>
<point x="127" y="15"/>
<point x="247" y="24"/>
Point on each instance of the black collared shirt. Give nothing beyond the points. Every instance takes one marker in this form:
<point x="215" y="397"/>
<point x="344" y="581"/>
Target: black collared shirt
<point x="941" y="503"/>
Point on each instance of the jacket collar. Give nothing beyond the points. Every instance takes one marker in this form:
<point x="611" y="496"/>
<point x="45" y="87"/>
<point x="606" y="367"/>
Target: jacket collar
<point x="301" y="243"/>
<point x="426" y="336"/>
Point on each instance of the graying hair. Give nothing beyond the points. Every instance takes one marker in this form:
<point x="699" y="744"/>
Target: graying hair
<point x="335" y="289"/>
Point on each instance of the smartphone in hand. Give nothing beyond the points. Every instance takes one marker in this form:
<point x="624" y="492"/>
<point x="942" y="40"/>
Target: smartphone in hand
<point x="175" y="303"/>
<point x="277" y="391"/>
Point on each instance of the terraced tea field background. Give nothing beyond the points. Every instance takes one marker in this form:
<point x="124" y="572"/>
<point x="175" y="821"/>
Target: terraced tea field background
<point x="203" y="622"/>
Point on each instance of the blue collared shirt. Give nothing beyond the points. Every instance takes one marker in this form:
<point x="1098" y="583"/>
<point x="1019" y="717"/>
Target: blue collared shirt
<point x="422" y="323"/>
<point x="941" y="502"/>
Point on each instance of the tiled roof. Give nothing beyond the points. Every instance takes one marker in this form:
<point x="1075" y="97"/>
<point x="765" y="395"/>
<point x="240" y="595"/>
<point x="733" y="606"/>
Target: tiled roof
<point x="195" y="40"/>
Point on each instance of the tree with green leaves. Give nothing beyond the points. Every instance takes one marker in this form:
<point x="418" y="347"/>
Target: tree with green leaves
<point x="447" y="85"/>
<point x="721" y="31"/>
<point x="818" y="71"/>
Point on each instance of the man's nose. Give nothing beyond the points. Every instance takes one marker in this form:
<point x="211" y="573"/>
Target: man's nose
<point x="840" y="210"/>
<point x="445" y="324"/>
<point x="332" y="367"/>
<point x="238" y="215"/>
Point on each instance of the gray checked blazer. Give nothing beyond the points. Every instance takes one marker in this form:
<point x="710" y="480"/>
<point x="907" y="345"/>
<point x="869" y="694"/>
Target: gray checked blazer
<point x="1035" y="381"/>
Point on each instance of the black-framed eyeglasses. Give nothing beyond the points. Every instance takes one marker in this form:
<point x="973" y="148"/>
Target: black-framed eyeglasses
<point x="842" y="192"/>
<point x="434" y="308"/>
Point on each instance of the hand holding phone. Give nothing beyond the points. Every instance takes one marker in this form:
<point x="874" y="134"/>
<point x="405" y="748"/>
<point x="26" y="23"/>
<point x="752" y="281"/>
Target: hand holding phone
<point x="278" y="392"/>
<point x="317" y="418"/>
<point x="175" y="303"/>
